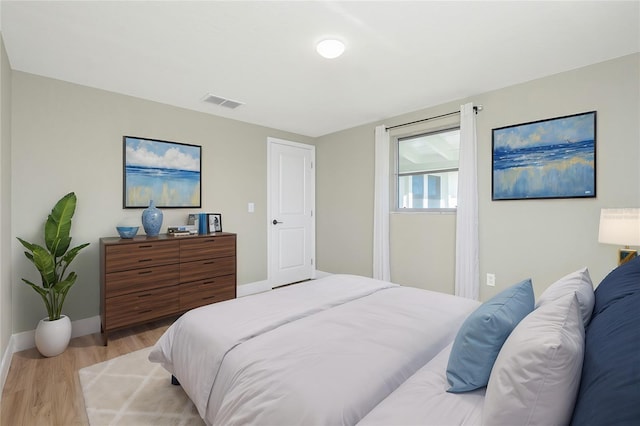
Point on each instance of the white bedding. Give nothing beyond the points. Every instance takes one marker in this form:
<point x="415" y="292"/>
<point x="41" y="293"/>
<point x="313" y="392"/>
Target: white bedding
<point x="323" y="352"/>
<point x="423" y="400"/>
<point x="195" y="345"/>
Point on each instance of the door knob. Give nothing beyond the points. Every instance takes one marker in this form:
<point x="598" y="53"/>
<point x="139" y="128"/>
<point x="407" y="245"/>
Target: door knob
<point x="275" y="222"/>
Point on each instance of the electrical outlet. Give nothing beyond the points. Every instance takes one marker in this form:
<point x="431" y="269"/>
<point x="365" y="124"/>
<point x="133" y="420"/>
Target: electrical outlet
<point x="491" y="280"/>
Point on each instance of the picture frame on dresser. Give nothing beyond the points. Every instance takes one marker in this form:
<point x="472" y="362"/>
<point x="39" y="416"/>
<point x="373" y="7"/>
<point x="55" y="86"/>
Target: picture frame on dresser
<point x="215" y="222"/>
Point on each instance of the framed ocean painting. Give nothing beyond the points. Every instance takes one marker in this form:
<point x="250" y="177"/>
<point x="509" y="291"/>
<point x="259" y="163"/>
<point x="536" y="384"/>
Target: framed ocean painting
<point x="166" y="172"/>
<point x="552" y="158"/>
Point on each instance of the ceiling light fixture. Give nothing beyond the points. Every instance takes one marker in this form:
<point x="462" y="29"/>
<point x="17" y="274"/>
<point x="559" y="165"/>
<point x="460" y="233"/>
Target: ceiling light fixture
<point x="330" y="48"/>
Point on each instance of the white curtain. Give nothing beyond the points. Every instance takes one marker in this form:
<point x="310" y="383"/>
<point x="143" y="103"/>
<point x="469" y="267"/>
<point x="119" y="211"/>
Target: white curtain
<point x="381" y="265"/>
<point x="467" y="278"/>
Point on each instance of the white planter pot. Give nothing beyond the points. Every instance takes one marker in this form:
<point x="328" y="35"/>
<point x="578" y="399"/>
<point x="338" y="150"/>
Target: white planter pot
<point x="52" y="337"/>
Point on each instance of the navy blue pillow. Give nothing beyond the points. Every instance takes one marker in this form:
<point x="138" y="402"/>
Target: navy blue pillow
<point x="610" y="385"/>
<point x="621" y="282"/>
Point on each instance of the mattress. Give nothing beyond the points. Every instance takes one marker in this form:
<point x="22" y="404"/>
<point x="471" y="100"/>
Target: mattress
<point x="323" y="352"/>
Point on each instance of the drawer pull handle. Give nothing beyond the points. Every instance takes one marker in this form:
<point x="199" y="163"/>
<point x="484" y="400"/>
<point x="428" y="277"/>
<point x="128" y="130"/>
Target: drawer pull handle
<point x="145" y="246"/>
<point x="211" y="262"/>
<point x="208" y="298"/>
<point x="145" y="260"/>
<point x="145" y="272"/>
<point x="146" y="311"/>
<point x="145" y="295"/>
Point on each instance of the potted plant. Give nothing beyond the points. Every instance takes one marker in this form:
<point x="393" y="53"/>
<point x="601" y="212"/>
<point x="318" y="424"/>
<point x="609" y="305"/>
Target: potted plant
<point x="54" y="332"/>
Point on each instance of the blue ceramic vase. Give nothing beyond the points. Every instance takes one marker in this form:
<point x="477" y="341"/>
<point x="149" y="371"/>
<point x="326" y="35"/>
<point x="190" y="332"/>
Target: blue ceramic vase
<point x="152" y="220"/>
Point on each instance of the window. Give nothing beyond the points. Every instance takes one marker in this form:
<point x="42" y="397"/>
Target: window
<point x="427" y="170"/>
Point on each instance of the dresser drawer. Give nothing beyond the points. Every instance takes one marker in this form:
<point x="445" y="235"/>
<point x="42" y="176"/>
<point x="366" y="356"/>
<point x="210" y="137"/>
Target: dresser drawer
<point x="124" y="282"/>
<point x="208" y="268"/>
<point x="205" y="292"/>
<point x="140" y="255"/>
<point x="206" y="248"/>
<point x="142" y="306"/>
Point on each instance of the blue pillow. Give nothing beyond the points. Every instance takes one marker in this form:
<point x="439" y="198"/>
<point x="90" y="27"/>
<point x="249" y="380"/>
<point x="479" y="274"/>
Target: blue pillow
<point x="609" y="391"/>
<point x="483" y="333"/>
<point x="621" y="282"/>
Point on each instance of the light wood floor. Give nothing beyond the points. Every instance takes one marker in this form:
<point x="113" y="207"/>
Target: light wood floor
<point x="46" y="391"/>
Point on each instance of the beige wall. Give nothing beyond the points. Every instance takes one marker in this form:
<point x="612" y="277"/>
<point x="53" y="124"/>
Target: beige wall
<point x="67" y="137"/>
<point x="344" y="198"/>
<point x="5" y="200"/>
<point x="545" y="239"/>
<point x="541" y="239"/>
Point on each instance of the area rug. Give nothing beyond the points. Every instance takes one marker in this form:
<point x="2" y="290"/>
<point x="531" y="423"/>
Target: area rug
<point x="131" y="390"/>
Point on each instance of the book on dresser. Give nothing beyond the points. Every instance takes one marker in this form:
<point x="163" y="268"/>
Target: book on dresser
<point x="148" y="278"/>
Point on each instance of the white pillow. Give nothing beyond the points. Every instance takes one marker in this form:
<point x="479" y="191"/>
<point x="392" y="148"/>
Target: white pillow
<point x="578" y="282"/>
<point x="536" y="376"/>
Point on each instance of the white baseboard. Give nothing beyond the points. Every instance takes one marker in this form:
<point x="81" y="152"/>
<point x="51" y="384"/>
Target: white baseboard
<point x="5" y="364"/>
<point x="85" y="326"/>
<point x="321" y="274"/>
<point x="262" y="286"/>
<point x="27" y="340"/>
<point x="253" y="288"/>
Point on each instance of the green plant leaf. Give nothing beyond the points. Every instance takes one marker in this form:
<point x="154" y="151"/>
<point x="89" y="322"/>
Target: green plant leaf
<point x="71" y="254"/>
<point x="26" y="244"/>
<point x="46" y="265"/>
<point x="44" y="295"/>
<point x="63" y="286"/>
<point x="29" y="246"/>
<point x="58" y="226"/>
<point x="29" y="256"/>
<point x="61" y="290"/>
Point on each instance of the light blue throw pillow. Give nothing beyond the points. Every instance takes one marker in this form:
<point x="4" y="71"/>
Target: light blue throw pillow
<point x="483" y="333"/>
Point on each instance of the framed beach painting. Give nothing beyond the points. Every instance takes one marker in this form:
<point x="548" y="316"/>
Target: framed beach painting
<point x="166" y="172"/>
<point x="552" y="158"/>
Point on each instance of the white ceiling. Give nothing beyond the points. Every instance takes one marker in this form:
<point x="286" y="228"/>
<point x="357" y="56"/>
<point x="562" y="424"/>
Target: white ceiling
<point x="400" y="56"/>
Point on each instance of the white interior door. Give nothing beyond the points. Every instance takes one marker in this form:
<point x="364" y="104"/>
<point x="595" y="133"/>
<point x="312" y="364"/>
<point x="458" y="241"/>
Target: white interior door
<point x="291" y="199"/>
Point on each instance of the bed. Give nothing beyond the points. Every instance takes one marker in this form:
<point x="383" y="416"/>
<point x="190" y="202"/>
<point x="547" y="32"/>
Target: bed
<point x="347" y="350"/>
<point x="320" y="352"/>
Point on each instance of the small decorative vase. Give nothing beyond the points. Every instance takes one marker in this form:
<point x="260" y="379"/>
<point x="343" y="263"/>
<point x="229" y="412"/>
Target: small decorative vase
<point x="52" y="337"/>
<point x="152" y="220"/>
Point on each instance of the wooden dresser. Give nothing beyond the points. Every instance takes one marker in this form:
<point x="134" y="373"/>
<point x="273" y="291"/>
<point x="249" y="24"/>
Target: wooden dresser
<point x="148" y="278"/>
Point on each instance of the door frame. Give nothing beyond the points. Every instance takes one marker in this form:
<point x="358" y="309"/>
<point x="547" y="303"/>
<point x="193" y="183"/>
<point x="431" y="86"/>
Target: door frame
<point x="270" y="142"/>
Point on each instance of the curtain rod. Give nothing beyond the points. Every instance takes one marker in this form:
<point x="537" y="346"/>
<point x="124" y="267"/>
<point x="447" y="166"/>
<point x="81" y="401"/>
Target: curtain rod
<point x="475" y="109"/>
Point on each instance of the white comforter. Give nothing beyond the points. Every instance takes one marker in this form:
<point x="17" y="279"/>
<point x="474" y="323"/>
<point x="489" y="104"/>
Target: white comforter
<point x="423" y="400"/>
<point x="323" y="352"/>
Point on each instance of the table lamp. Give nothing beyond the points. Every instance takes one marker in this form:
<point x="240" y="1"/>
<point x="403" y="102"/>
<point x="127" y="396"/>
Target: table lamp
<point x="620" y="227"/>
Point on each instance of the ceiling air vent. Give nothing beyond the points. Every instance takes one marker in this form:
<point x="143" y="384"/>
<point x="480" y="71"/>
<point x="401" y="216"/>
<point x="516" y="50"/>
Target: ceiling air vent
<point x="223" y="102"/>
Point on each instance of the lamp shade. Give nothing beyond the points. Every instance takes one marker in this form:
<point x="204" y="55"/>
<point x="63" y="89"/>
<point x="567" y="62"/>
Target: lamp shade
<point x="620" y="226"/>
